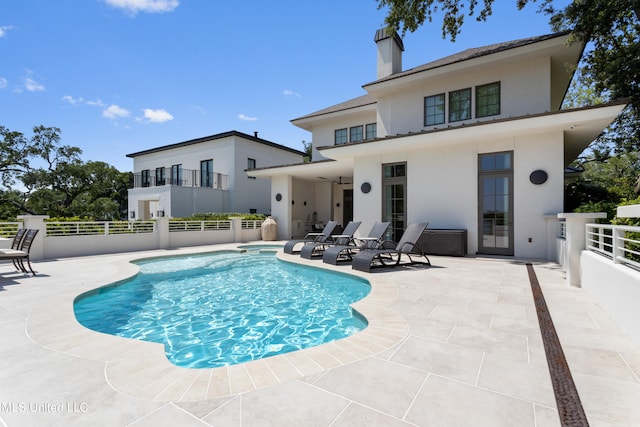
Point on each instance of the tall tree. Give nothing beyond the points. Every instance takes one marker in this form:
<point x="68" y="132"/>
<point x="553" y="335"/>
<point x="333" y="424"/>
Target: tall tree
<point x="62" y="185"/>
<point x="15" y="151"/>
<point x="613" y="28"/>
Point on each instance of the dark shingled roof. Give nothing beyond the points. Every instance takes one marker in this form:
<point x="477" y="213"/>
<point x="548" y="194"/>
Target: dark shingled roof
<point x="214" y="137"/>
<point x="465" y="55"/>
<point x="471" y="53"/>
<point x="352" y="103"/>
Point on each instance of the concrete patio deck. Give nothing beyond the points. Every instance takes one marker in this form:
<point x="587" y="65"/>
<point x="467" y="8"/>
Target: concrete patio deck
<point x="456" y="344"/>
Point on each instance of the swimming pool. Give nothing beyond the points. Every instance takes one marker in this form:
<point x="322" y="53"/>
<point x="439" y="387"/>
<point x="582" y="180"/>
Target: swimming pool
<point x="227" y="307"/>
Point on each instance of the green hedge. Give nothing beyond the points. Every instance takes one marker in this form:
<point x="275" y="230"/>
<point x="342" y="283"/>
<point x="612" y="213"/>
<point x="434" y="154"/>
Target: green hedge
<point x="222" y="216"/>
<point x="200" y="216"/>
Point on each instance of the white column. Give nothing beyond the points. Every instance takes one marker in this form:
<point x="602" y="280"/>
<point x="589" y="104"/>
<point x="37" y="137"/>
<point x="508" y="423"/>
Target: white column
<point x="236" y="226"/>
<point x="162" y="224"/>
<point x="576" y="241"/>
<point x="552" y="238"/>
<point x="281" y="189"/>
<point x="36" y="222"/>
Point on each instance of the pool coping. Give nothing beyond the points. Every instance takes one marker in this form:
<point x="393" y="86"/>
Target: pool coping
<point x="141" y="370"/>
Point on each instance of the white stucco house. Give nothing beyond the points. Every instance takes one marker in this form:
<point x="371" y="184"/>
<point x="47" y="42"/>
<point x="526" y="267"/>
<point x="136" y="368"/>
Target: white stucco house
<point x="475" y="141"/>
<point x="205" y="175"/>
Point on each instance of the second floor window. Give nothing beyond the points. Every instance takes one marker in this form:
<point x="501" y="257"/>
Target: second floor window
<point x="355" y="134"/>
<point x="159" y="176"/>
<point x="488" y="100"/>
<point x="206" y="173"/>
<point x="176" y="174"/>
<point x="460" y="105"/>
<point x="371" y="131"/>
<point x="145" y="176"/>
<point x="340" y="136"/>
<point x="434" y="110"/>
<point x="251" y="164"/>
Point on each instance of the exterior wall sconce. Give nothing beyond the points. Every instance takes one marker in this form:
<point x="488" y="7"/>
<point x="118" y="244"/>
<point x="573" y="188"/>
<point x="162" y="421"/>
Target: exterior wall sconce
<point x="538" y="177"/>
<point x="132" y="214"/>
<point x="278" y="197"/>
<point x="365" y="187"/>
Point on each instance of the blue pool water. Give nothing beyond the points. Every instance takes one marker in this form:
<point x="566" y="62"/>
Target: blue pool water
<point x="225" y="308"/>
<point x="261" y="246"/>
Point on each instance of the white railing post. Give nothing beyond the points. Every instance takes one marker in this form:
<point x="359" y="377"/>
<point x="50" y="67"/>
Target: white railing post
<point x="576" y="226"/>
<point x="617" y="245"/>
<point x="37" y="222"/>
<point x="236" y="226"/>
<point x="553" y="231"/>
<point x="162" y="227"/>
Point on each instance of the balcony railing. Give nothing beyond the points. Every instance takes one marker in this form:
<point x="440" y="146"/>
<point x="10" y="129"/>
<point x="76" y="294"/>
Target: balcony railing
<point x="621" y="244"/>
<point x="186" y="178"/>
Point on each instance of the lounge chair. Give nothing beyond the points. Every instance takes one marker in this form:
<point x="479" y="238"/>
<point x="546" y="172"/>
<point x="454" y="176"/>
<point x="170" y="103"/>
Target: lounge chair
<point x="15" y="244"/>
<point x="18" y="256"/>
<point x="391" y="257"/>
<point x="340" y="253"/>
<point x="325" y="235"/>
<point x="310" y="250"/>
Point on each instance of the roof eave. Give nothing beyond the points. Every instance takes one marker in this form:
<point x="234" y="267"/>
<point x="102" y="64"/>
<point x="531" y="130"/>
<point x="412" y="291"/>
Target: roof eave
<point x="581" y="127"/>
<point x="213" y="138"/>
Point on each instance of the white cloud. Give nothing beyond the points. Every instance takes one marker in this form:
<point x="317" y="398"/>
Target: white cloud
<point x="247" y="118"/>
<point x="81" y="101"/>
<point x="150" y="6"/>
<point x="3" y="83"/>
<point x="3" y="30"/>
<point x="157" y="116"/>
<point x="115" y="112"/>
<point x="200" y="109"/>
<point x="31" y="84"/>
<point x="71" y="100"/>
<point x="96" y="103"/>
<point x="288" y="92"/>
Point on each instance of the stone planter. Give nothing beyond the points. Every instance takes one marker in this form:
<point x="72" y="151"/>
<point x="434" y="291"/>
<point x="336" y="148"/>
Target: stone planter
<point x="269" y="229"/>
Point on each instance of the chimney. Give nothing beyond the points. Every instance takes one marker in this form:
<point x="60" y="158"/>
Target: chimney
<point x="390" y="50"/>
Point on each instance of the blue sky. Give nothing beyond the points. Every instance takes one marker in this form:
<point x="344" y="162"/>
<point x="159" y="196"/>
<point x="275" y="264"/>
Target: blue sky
<point x="120" y="76"/>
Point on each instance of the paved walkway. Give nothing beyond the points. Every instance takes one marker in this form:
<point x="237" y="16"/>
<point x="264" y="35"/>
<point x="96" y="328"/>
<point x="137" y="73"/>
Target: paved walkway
<point x="456" y="344"/>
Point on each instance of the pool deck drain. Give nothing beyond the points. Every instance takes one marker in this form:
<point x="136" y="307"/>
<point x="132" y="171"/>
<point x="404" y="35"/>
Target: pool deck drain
<point x="570" y="408"/>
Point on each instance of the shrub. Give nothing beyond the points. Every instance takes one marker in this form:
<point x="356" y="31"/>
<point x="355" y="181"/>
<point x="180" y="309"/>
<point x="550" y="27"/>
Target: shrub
<point x="222" y="216"/>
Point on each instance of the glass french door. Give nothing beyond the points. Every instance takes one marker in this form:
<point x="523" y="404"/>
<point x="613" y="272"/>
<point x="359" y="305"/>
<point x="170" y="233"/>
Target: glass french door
<point x="394" y="200"/>
<point x="495" y="203"/>
<point x="347" y="206"/>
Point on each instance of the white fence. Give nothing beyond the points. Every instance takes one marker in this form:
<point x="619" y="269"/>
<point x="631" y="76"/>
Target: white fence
<point x="8" y="229"/>
<point x="618" y="243"/>
<point x="177" y="226"/>
<point x="92" y="228"/>
<point x="609" y="272"/>
<point x="67" y="239"/>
